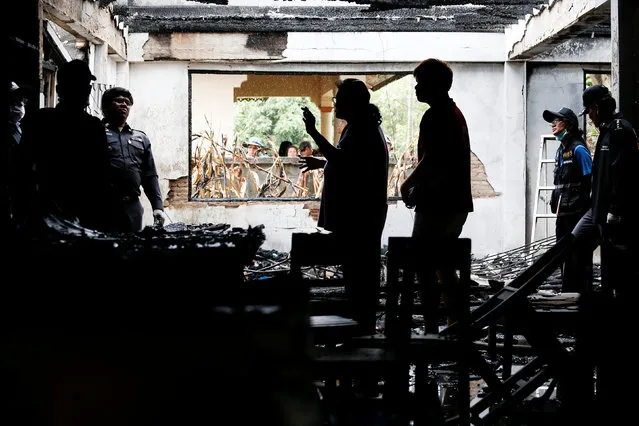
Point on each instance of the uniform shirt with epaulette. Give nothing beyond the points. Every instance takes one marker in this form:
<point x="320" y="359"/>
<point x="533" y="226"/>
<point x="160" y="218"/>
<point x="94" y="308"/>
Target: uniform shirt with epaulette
<point x="131" y="165"/>
<point x="615" y="173"/>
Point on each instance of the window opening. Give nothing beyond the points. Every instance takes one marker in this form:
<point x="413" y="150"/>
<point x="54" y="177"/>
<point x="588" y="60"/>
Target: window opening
<point x="591" y="131"/>
<point x="239" y="121"/>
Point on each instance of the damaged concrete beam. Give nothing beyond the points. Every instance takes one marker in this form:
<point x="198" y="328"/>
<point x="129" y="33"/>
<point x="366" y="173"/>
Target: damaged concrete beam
<point x="553" y="24"/>
<point x="89" y="20"/>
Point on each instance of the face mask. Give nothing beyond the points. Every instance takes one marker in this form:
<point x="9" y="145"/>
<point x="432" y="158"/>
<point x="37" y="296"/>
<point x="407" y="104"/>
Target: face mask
<point x="561" y="135"/>
<point x="16" y="113"/>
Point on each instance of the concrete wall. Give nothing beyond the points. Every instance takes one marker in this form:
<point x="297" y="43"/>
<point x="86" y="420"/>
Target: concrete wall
<point x="213" y="111"/>
<point x="550" y="86"/>
<point x="161" y="110"/>
<point x="478" y="91"/>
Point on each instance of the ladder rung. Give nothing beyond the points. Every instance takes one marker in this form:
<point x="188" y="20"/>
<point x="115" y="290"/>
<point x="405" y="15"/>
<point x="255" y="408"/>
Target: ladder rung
<point x="542" y="171"/>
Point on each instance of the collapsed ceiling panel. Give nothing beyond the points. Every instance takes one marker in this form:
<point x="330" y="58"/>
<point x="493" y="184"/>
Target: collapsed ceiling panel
<point x="330" y="16"/>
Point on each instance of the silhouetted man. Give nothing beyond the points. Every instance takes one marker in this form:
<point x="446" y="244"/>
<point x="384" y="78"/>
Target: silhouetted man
<point x="439" y="187"/>
<point x="65" y="154"/>
<point x="17" y="100"/>
<point x="612" y="223"/>
<point x="612" y="219"/>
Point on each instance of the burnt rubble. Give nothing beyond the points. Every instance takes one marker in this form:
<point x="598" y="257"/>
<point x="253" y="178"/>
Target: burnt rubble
<point x="157" y="280"/>
<point x="489" y="275"/>
<point x="207" y="242"/>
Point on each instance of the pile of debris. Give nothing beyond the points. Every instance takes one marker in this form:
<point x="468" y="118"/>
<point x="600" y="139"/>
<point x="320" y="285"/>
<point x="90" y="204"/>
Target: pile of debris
<point x="175" y="237"/>
<point x="489" y="273"/>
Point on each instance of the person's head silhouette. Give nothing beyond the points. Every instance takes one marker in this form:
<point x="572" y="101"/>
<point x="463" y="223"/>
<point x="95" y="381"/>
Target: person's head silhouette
<point x="352" y="102"/>
<point x="74" y="83"/>
<point x="352" y="97"/>
<point x="434" y="79"/>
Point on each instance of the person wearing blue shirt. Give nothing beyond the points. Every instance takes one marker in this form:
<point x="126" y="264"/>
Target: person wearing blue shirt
<point x="571" y="195"/>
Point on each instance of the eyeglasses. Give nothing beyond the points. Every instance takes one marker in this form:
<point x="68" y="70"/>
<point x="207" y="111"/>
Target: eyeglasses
<point x="556" y="121"/>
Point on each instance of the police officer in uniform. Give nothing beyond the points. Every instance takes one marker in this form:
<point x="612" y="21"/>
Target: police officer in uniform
<point x="611" y="222"/>
<point x="612" y="218"/>
<point x="571" y="195"/>
<point x="131" y="165"/>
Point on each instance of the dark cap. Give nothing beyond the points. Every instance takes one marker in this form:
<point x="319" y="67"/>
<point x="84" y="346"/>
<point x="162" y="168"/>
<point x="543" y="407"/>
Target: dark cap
<point x="565" y="114"/>
<point x="593" y="94"/>
<point x="75" y="70"/>
<point x="16" y="92"/>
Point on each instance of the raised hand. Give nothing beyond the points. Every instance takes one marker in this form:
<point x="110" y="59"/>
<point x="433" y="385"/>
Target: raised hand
<point x="309" y="120"/>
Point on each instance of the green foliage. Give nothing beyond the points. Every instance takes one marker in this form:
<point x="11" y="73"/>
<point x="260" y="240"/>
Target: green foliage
<point x="401" y="112"/>
<point x="588" y="80"/>
<point x="277" y="119"/>
<point x="592" y="132"/>
<point x="273" y="119"/>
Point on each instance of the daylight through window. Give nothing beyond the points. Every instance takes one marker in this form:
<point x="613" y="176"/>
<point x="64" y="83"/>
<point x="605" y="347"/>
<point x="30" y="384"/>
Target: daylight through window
<point x="247" y="132"/>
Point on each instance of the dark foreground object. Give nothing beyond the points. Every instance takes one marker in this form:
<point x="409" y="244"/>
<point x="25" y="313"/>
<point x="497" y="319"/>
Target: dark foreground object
<point x="154" y="329"/>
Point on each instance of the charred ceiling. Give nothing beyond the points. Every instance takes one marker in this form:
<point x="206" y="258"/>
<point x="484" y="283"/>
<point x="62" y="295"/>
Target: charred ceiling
<point x="344" y="16"/>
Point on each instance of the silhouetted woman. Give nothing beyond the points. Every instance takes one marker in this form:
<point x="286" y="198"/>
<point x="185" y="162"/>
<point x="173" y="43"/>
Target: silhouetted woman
<point x="354" y="203"/>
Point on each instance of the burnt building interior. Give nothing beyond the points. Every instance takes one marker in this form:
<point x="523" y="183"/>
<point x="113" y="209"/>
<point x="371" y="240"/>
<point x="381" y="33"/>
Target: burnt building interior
<point x="97" y="331"/>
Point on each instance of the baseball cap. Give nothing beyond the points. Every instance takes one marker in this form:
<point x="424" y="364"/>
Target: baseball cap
<point x="254" y="140"/>
<point x="593" y="94"/>
<point x="563" y="114"/>
<point x="75" y="70"/>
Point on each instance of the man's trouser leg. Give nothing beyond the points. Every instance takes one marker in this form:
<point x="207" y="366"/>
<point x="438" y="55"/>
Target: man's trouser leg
<point x="620" y="278"/>
<point x="576" y="270"/>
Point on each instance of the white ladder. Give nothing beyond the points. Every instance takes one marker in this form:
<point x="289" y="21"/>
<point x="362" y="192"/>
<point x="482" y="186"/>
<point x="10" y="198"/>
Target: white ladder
<point x="544" y="189"/>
